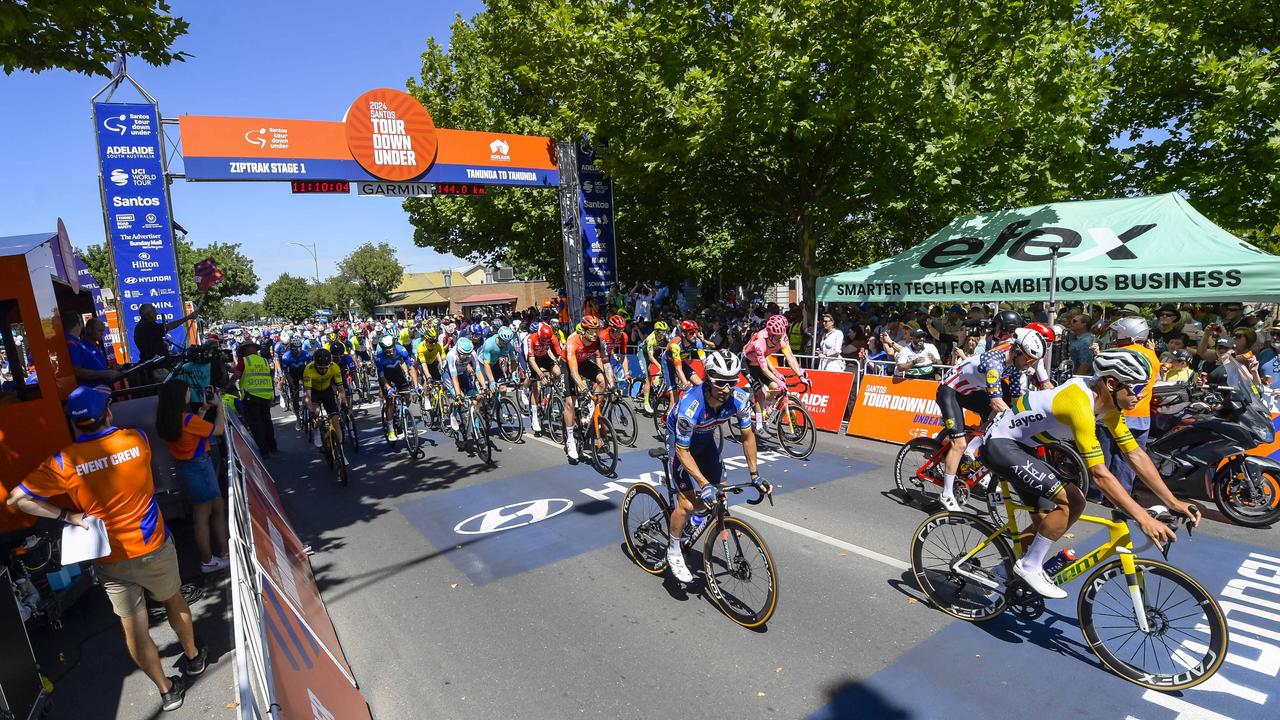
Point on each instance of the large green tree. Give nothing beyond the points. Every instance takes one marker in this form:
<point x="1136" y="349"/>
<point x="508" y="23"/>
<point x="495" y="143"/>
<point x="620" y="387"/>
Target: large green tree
<point x="288" y="297"/>
<point x="1198" y="105"/>
<point x="85" y="35"/>
<point x="244" y="310"/>
<point x="761" y="138"/>
<point x="371" y="272"/>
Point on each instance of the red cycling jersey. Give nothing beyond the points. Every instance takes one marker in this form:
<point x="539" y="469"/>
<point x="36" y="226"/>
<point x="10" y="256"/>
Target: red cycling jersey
<point x="537" y="347"/>
<point x="581" y="350"/>
<point x="614" y="340"/>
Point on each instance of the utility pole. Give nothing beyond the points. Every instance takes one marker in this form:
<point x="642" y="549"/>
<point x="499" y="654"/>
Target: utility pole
<point x="314" y="258"/>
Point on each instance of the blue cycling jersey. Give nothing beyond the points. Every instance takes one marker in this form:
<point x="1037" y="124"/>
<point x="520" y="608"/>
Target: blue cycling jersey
<point x="490" y="352"/>
<point x="384" y="362"/>
<point x="691" y="423"/>
<point x="295" y="359"/>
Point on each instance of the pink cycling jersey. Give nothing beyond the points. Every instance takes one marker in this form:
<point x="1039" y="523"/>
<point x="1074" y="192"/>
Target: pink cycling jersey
<point x="761" y="346"/>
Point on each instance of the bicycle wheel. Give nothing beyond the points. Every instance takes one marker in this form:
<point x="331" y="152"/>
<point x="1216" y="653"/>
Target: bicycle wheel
<point x="1173" y="653"/>
<point x="509" y="423"/>
<point x="349" y="430"/>
<point x="340" y="462"/>
<point x="660" y="407"/>
<point x="740" y="573"/>
<point x="410" y="432"/>
<point x="644" y="527"/>
<point x="938" y="543"/>
<point x="555" y="419"/>
<point x="327" y="451"/>
<point x="480" y="433"/>
<point x="623" y="420"/>
<point x="912" y="457"/>
<point x="603" y="445"/>
<point x="795" y="431"/>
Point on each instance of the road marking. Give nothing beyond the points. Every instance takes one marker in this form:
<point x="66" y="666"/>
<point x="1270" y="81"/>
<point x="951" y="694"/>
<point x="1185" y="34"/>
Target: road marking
<point x="815" y="535"/>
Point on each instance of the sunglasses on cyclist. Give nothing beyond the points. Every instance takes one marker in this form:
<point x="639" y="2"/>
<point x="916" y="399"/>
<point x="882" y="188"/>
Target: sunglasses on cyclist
<point x="1137" y="389"/>
<point x="724" y="386"/>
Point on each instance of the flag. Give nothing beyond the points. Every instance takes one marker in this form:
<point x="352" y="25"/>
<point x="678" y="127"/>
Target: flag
<point x="207" y="275"/>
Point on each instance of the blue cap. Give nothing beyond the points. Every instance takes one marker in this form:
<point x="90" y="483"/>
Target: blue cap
<point x="87" y="404"/>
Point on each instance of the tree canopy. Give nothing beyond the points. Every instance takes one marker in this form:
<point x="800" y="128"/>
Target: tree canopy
<point x="84" y="37"/>
<point x="238" y="279"/>
<point x="367" y="275"/>
<point x="288" y="297"/>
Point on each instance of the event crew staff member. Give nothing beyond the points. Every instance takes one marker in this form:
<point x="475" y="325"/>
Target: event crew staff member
<point x="89" y="361"/>
<point x="106" y="474"/>
<point x="257" y="390"/>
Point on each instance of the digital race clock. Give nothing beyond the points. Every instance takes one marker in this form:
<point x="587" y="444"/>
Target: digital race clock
<point x="320" y="186"/>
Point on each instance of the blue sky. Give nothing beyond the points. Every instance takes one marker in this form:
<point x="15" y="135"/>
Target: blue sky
<point x="303" y="60"/>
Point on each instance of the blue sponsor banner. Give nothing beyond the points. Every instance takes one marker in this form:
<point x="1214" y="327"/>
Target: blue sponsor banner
<point x="136" y="203"/>
<point x="595" y="215"/>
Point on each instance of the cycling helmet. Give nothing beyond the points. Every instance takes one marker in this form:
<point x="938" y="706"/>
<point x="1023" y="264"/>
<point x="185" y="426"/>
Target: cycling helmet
<point x="688" y="326"/>
<point x="506" y="335"/>
<point x="776" y="325"/>
<point x="465" y="346"/>
<point x="1127" y="366"/>
<point x="342" y="333"/>
<point x="387" y="342"/>
<point x="477" y="329"/>
<point x="722" y="366"/>
<point x="431" y="334"/>
<point x="591" y="322"/>
<point x="322" y="358"/>
<point x="1045" y="331"/>
<point x="1030" y="342"/>
<point x="617" y="321"/>
<point x="661" y="326"/>
<point x="1131" y="328"/>
<point x="515" y="325"/>
<point x="1005" y="323"/>
<point x="295" y="342"/>
<point x="545" y="331"/>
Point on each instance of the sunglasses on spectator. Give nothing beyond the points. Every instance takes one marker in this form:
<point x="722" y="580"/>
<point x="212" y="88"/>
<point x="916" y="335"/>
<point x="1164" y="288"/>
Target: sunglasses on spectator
<point x="1168" y="314"/>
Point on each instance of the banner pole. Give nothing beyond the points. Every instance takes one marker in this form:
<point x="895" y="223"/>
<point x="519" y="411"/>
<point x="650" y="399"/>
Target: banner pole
<point x="1052" y="313"/>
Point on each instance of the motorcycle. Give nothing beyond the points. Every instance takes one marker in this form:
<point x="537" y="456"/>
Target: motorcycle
<point x="1203" y="455"/>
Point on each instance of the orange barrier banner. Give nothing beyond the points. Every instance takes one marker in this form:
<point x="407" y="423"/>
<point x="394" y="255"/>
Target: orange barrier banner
<point x="897" y="409"/>
<point x="828" y="397"/>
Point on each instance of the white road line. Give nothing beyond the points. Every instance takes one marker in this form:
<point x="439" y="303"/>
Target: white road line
<point x="815" y="535"/>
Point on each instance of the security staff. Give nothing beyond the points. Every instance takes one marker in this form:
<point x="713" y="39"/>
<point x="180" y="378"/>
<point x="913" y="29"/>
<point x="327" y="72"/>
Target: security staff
<point x="253" y="376"/>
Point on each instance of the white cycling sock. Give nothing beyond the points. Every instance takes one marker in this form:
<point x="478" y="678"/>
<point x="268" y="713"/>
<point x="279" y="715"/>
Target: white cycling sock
<point x="1034" y="557"/>
<point x="674" y="543"/>
<point x="948" y="484"/>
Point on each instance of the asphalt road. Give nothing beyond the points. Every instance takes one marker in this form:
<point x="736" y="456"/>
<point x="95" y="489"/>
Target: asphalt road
<point x="551" y="619"/>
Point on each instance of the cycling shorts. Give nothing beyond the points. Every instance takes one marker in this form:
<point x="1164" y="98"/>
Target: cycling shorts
<point x="707" y="458"/>
<point x="1034" y="480"/>
<point x="397" y="377"/>
<point x="432" y="371"/>
<point x="545" y="362"/>
<point x="326" y="398"/>
<point x="466" y="383"/>
<point x="759" y="378"/>
<point x="953" y="404"/>
<point x="346" y="362"/>
<point x="588" y="370"/>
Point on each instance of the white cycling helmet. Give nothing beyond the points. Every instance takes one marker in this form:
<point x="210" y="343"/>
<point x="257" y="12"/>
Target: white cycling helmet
<point x="1030" y="342"/>
<point x="1131" y="328"/>
<point x="722" y="366"/>
<point x="1128" y="366"/>
<point x="386" y="341"/>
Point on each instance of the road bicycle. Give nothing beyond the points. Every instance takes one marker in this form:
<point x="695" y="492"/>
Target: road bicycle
<point x="919" y="468"/>
<point x="405" y="424"/>
<point x="788" y="421"/>
<point x="595" y="435"/>
<point x="622" y="417"/>
<point x="499" y="409"/>
<point x="737" y="568"/>
<point x="349" y="420"/>
<point x="433" y="403"/>
<point x="473" y="430"/>
<point x="1147" y="621"/>
<point x="358" y="383"/>
<point x="331" y="432"/>
<point x="293" y="393"/>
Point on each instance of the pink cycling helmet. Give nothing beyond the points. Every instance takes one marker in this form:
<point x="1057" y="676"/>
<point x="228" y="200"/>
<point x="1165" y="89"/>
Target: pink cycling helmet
<point x="776" y="325"/>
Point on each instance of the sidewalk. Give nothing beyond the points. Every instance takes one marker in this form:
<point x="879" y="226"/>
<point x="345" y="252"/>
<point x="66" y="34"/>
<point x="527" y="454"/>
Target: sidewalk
<point x="92" y="673"/>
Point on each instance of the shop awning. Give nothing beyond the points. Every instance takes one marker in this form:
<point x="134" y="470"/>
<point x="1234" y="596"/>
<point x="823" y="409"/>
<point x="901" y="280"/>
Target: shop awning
<point x="414" y="298"/>
<point x="489" y="299"/>
<point x="1155" y="248"/>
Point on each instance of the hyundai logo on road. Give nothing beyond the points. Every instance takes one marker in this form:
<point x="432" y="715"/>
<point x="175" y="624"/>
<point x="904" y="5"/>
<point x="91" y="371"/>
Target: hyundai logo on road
<point x="512" y="516"/>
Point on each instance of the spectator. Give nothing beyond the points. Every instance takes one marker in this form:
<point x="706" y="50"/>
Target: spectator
<point x="917" y="359"/>
<point x="1269" y="357"/>
<point x="88" y="359"/>
<point x="117" y="487"/>
<point x="188" y="435"/>
<point x="831" y="346"/>
<point x="874" y="357"/>
<point x="1179" y="368"/>
<point x="253" y="376"/>
<point x="1232" y="316"/>
<point x="1132" y="333"/>
<point x="149" y="333"/>
<point x="1081" y="344"/>
<point x="1168" y="324"/>
<point x="963" y="351"/>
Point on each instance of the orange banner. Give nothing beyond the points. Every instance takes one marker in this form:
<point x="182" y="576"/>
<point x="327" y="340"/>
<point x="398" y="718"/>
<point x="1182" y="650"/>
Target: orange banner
<point x="897" y="409"/>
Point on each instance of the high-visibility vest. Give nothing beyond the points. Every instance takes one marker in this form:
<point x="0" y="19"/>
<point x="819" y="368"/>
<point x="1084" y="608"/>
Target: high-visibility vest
<point x="256" y="379"/>
<point x="797" y="338"/>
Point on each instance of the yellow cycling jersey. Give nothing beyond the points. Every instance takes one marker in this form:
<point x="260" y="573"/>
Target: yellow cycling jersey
<point x="316" y="380"/>
<point x="405" y="337"/>
<point x="430" y="353"/>
<point x="1062" y="413"/>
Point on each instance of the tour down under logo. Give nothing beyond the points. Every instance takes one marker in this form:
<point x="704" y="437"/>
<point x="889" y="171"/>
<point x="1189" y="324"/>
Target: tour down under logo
<point x="391" y="135"/>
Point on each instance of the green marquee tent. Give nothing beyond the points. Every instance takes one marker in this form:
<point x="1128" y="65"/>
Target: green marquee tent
<point x="1155" y="248"/>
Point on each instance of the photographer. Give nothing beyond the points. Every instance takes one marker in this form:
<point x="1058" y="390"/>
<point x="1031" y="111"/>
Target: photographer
<point x="149" y="333"/>
<point x="188" y="436"/>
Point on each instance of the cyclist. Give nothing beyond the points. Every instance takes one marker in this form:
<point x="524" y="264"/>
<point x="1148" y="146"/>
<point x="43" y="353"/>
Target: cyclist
<point x="677" y="359"/>
<point x="584" y="360"/>
<point x="694" y="458"/>
<point x="614" y="338"/>
<point x="1002" y="327"/>
<point x="430" y="354"/>
<point x="543" y="352"/>
<point x="765" y="381"/>
<point x="322" y="379"/>
<point x="500" y="346"/>
<point x="1073" y="410"/>
<point x="342" y="354"/>
<point x="652" y="359"/>
<point x="393" y="366"/>
<point x="983" y="383"/>
<point x="291" y="363"/>
<point x="462" y="368"/>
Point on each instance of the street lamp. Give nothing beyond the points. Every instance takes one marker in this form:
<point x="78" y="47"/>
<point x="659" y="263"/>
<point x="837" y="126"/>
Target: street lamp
<point x="311" y="249"/>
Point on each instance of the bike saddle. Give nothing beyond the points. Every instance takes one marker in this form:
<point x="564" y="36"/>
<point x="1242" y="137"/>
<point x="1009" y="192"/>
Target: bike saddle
<point x="658" y="453"/>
